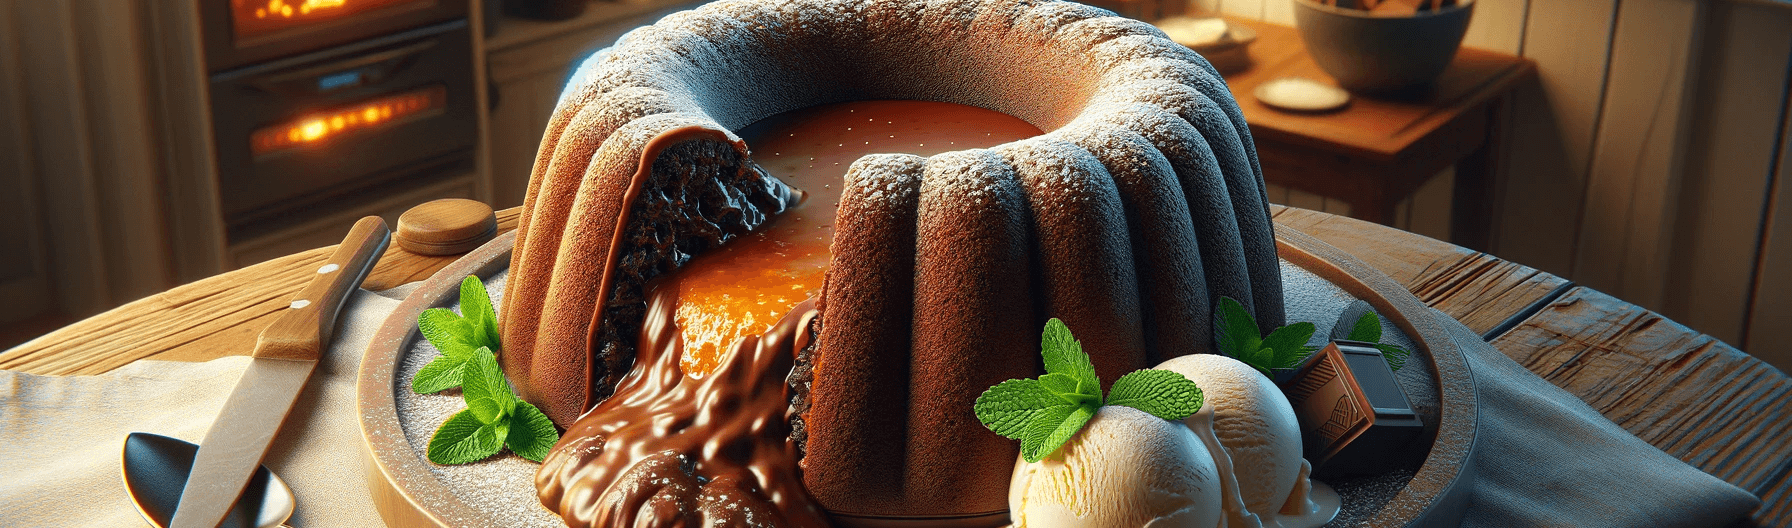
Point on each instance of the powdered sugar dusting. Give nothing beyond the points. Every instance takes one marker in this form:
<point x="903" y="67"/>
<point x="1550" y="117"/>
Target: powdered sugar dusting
<point x="501" y="487"/>
<point x="743" y="60"/>
<point x="1056" y="168"/>
<point x="885" y="180"/>
<point x="974" y="179"/>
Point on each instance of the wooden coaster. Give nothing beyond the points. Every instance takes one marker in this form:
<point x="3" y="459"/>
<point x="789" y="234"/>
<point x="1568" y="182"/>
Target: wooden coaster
<point x="446" y="227"/>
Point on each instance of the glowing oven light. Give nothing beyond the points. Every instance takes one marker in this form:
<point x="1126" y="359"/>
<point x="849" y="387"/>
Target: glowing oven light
<point x="256" y="18"/>
<point x="347" y="120"/>
<point x="282" y="9"/>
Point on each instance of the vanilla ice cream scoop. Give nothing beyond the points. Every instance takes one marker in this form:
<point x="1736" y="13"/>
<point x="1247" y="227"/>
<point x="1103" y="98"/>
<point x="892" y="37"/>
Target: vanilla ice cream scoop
<point x="1260" y="437"/>
<point x="1126" y="468"/>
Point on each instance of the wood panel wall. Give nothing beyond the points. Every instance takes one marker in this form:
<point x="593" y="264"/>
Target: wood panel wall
<point x="23" y="281"/>
<point x="1643" y="161"/>
<point x="1731" y="275"/>
<point x="106" y="204"/>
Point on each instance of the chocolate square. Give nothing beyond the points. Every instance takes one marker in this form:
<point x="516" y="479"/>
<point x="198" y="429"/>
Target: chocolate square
<point x="1353" y="417"/>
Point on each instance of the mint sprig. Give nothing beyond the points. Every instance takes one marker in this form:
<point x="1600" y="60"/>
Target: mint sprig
<point x="494" y="418"/>
<point x="456" y="336"/>
<point x="1368" y="330"/>
<point x="1046" y="413"/>
<point x="1285" y="347"/>
<point x="1162" y="393"/>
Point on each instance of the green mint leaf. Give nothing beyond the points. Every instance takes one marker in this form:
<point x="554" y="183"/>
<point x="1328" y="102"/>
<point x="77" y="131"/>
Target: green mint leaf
<point x="1258" y="359"/>
<point x="1070" y="390"/>
<point x="1367" y="329"/>
<point x="1394" y="354"/>
<point x="488" y="396"/>
<point x="1045" y="435"/>
<point x="1064" y="355"/>
<point x="464" y="439"/>
<point x="1239" y="336"/>
<point x="476" y="308"/>
<point x="448" y="332"/>
<point x="1059" y="383"/>
<point x="1164" y="394"/>
<point x="1008" y="407"/>
<point x="1039" y="427"/>
<point x="1286" y="343"/>
<point x="532" y="434"/>
<point x="439" y="375"/>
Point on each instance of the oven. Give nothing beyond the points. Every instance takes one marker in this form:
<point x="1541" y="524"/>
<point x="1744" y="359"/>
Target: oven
<point x="318" y="104"/>
<point x="243" y="32"/>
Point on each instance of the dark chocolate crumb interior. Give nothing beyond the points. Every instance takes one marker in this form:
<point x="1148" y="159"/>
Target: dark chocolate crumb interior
<point x="700" y="194"/>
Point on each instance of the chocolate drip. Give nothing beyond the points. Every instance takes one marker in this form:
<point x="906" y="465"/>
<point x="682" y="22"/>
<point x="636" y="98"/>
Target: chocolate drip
<point x="671" y="450"/>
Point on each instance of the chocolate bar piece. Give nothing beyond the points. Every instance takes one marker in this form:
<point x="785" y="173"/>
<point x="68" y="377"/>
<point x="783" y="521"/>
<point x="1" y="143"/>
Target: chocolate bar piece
<point x="1354" y="419"/>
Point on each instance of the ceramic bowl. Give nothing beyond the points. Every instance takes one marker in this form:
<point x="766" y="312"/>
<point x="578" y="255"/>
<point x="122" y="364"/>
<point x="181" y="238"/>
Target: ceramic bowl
<point x="1375" y="53"/>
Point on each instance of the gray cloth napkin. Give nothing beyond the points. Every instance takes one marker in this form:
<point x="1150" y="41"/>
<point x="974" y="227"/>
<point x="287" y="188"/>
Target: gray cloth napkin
<point x="1543" y="457"/>
<point x="61" y="437"/>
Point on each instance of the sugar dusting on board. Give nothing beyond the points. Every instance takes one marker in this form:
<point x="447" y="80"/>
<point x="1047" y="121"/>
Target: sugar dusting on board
<point x="501" y="487"/>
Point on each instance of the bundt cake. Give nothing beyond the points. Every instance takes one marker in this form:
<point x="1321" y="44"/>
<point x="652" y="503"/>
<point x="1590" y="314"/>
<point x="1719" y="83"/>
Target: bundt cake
<point x="1139" y="205"/>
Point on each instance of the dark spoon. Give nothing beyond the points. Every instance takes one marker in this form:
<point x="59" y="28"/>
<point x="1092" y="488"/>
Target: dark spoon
<point x="155" y="472"/>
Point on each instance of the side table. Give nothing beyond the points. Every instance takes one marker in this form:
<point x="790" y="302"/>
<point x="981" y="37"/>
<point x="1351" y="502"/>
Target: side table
<point x="1378" y="151"/>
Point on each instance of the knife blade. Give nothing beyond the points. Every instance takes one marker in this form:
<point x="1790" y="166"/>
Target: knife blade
<point x="285" y="354"/>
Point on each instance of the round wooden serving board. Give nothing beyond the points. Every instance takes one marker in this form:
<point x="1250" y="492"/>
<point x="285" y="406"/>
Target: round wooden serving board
<point x="408" y="494"/>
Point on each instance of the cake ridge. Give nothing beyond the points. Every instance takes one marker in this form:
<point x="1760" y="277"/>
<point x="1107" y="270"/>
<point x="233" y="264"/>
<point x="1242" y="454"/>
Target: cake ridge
<point x="964" y="242"/>
<point x="1159" y="226"/>
<point x="1082" y="256"/>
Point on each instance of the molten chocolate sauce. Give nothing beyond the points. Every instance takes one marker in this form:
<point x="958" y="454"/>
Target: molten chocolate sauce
<point x="671" y="450"/>
<point x="697" y="433"/>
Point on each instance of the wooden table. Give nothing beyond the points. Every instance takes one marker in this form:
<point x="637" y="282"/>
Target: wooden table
<point x="1689" y="394"/>
<point x="1377" y="151"/>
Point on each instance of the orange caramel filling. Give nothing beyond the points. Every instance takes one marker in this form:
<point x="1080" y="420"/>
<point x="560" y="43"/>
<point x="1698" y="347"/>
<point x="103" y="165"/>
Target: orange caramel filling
<point x="742" y="288"/>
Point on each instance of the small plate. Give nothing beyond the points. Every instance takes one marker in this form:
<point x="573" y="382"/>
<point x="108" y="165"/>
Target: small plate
<point x="1200" y="34"/>
<point x="1301" y="94"/>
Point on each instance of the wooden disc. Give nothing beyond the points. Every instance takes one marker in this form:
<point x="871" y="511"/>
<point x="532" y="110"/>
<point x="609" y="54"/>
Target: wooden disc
<point x="446" y="227"/>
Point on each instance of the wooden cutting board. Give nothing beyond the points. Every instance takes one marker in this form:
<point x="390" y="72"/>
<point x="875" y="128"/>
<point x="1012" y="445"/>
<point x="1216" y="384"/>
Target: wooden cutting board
<point x="408" y="494"/>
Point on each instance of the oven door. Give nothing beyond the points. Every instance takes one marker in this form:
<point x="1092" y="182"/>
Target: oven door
<point x="242" y="32"/>
<point x="293" y="132"/>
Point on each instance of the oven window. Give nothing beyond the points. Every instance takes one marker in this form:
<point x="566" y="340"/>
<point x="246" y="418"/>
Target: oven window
<point x="330" y="125"/>
<point x="254" y="18"/>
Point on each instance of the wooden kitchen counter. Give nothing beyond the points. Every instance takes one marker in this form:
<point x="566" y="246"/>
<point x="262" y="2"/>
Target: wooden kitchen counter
<point x="1696" y="398"/>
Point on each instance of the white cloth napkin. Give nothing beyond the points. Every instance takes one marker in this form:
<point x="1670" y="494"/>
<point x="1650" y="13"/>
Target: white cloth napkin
<point x="61" y="437"/>
<point x="1544" y="457"/>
